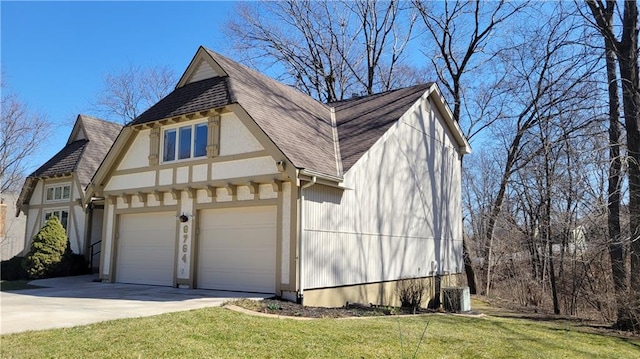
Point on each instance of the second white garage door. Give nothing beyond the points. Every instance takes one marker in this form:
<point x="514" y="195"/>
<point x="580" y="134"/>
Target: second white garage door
<point x="237" y="249"/>
<point x="146" y="248"/>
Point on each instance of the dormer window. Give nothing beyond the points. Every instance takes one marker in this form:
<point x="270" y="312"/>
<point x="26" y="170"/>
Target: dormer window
<point x="58" y="193"/>
<point x="184" y="142"/>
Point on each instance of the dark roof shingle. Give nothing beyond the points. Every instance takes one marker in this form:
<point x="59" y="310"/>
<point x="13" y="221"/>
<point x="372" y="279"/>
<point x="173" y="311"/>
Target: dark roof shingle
<point x="101" y="136"/>
<point x="300" y="126"/>
<point x="82" y="156"/>
<point x="196" y="96"/>
<point x="62" y="163"/>
<point x="362" y="121"/>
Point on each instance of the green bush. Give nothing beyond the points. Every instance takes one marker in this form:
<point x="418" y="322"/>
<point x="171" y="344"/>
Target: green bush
<point x="13" y="269"/>
<point x="73" y="264"/>
<point x="47" y="250"/>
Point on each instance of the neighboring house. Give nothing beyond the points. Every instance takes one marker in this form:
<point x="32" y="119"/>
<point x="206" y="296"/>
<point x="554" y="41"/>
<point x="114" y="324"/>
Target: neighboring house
<point x="57" y="188"/>
<point x="237" y="182"/>
<point x="11" y="227"/>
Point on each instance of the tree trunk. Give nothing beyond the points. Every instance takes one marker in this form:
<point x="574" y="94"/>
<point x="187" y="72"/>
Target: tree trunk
<point x="613" y="190"/>
<point x="626" y="51"/>
<point x="468" y="267"/>
<point x="628" y="62"/>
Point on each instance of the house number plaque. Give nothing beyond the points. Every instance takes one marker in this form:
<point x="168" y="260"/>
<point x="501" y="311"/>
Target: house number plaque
<point x="185" y="240"/>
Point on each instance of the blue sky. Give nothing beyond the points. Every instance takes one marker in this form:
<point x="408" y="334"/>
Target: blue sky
<point x="55" y="54"/>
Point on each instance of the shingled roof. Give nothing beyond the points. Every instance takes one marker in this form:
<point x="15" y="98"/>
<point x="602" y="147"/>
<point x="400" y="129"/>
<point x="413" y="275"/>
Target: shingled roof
<point x="300" y="126"/>
<point x="362" y="121"/>
<point x="87" y="146"/>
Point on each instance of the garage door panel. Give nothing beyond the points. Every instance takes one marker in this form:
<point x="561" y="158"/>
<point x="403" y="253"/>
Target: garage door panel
<point x="237" y="249"/>
<point x="146" y="248"/>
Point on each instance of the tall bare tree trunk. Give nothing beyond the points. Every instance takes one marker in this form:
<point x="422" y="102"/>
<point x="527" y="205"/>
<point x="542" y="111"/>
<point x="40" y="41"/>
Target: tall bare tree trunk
<point x="626" y="51"/>
<point x="613" y="190"/>
<point x="628" y="62"/>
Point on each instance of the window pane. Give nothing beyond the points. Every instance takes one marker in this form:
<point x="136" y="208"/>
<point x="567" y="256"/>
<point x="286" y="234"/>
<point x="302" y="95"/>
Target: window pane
<point x="64" y="218"/>
<point x="169" y="146"/>
<point x="49" y="193"/>
<point x="200" y="146"/>
<point x="47" y="215"/>
<point x="65" y="192"/>
<point x="184" y="150"/>
<point x="58" y="194"/>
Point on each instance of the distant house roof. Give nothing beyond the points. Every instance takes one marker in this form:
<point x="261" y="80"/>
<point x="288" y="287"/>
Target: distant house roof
<point x="62" y="163"/>
<point x="303" y="128"/>
<point x="101" y="136"/>
<point x="88" y="144"/>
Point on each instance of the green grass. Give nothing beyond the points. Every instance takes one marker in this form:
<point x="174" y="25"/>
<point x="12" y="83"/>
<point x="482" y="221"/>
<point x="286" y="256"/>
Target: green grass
<point x="7" y="286"/>
<point x="221" y="333"/>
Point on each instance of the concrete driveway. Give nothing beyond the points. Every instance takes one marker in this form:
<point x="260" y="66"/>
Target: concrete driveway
<point x="73" y="301"/>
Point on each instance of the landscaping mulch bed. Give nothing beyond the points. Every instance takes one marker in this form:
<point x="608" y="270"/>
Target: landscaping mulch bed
<point x="285" y="308"/>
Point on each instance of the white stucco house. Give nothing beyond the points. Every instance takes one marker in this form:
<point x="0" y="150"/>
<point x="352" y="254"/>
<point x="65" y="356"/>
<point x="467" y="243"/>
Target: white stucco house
<point x="57" y="188"/>
<point x="12" y="225"/>
<point x="237" y="182"/>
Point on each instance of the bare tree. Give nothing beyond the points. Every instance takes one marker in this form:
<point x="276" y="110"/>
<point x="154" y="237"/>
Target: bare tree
<point x="625" y="50"/>
<point x="22" y="133"/>
<point x="128" y="92"/>
<point x="463" y="33"/>
<point x="328" y="50"/>
<point x="546" y="77"/>
<point x="461" y="49"/>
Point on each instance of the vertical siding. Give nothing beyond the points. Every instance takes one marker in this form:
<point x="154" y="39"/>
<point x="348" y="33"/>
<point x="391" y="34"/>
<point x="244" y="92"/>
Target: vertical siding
<point x="204" y="71"/>
<point x="401" y="217"/>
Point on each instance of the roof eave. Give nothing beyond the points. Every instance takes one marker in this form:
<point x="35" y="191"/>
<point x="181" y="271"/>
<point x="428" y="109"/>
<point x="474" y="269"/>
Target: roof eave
<point x="463" y="145"/>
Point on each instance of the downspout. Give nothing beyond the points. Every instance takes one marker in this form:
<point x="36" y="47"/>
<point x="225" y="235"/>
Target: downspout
<point x="313" y="181"/>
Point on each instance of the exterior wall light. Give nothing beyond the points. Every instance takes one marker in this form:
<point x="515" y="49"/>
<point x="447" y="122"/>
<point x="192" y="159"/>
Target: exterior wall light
<point x="183" y="218"/>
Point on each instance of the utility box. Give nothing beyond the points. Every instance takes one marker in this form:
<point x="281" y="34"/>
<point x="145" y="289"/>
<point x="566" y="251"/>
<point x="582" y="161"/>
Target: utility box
<point x="456" y="299"/>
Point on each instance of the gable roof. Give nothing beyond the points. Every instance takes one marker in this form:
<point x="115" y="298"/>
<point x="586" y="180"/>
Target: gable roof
<point x="299" y="125"/>
<point x="323" y="138"/>
<point x="87" y="146"/>
<point x="363" y="120"/>
<point x="101" y="135"/>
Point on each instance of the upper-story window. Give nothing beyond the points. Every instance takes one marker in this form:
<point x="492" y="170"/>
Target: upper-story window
<point x="62" y="214"/>
<point x="184" y="142"/>
<point x="58" y="193"/>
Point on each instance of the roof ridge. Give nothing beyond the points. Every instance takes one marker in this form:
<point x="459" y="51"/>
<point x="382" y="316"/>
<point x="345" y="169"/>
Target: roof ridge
<point x="262" y="76"/>
<point x="364" y="97"/>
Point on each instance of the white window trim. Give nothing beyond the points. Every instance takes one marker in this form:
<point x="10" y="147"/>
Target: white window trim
<point x="51" y="210"/>
<point x="193" y="141"/>
<point x="62" y="199"/>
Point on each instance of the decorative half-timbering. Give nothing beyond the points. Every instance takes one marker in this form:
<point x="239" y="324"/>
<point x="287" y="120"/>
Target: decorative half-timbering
<point x="237" y="182"/>
<point x="57" y="188"/>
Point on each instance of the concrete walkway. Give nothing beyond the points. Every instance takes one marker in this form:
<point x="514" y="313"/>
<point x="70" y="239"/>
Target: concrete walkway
<point x="73" y="301"/>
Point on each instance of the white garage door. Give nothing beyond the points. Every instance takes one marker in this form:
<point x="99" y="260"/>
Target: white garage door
<point x="237" y="249"/>
<point x="146" y="247"/>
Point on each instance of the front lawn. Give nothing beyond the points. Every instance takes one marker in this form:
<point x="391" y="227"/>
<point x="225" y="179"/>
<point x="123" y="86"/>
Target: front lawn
<point x="221" y="333"/>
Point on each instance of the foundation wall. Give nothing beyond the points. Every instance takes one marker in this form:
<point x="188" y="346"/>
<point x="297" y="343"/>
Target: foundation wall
<point x="382" y="293"/>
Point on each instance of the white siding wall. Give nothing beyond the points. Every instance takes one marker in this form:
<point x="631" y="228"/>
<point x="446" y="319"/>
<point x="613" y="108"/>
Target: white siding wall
<point x="76" y="230"/>
<point x="235" y="137"/>
<point x="204" y="71"/>
<point x="36" y="197"/>
<point x="129" y="181"/>
<point x="139" y="147"/>
<point x="402" y="217"/>
<point x="38" y="207"/>
<point x="13" y="242"/>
